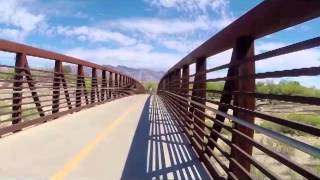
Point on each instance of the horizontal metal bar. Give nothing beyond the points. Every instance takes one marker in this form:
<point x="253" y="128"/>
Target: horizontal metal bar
<point x="307" y="44"/>
<point x="289" y="141"/>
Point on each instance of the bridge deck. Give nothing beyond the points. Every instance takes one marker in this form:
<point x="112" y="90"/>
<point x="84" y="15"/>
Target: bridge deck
<point x="130" y="138"/>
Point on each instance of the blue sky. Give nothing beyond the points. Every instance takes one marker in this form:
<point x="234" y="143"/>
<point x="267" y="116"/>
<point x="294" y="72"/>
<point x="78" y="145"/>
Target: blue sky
<point x="143" y="33"/>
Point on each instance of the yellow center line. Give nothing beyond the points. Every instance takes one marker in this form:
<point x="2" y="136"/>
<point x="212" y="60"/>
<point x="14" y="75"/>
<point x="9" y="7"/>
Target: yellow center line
<point x="87" y="149"/>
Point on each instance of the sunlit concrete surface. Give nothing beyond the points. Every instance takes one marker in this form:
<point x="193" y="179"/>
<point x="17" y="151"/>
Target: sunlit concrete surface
<point x="129" y="138"/>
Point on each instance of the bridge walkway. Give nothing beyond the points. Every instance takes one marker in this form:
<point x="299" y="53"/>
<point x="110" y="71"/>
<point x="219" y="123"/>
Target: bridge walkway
<point x="133" y="137"/>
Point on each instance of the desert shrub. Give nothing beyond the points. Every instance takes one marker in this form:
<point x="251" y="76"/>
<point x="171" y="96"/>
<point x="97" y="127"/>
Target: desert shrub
<point x="257" y="174"/>
<point x="277" y="127"/>
<point x="88" y="83"/>
<point x="309" y="119"/>
<point x="4" y="109"/>
<point x="287" y="88"/>
<point x="215" y="86"/>
<point x="280" y="147"/>
<point x="29" y="114"/>
<point x="7" y="75"/>
<point x="284" y="87"/>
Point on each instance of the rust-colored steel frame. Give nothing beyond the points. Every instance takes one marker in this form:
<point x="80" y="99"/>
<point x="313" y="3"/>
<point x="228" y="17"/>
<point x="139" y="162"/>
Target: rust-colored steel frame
<point x="185" y="94"/>
<point x="104" y="84"/>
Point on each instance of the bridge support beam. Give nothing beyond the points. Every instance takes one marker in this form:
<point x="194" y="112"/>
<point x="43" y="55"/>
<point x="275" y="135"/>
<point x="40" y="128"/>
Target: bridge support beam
<point x="177" y="81"/>
<point x="93" y="85"/>
<point x="103" y="85"/>
<point x="21" y="70"/>
<point x="244" y="49"/>
<point x="56" y="86"/>
<point x="17" y="88"/>
<point x="199" y="96"/>
<point x="110" y="90"/>
<point x="116" y="85"/>
<point x="80" y="80"/>
<point x="185" y="92"/>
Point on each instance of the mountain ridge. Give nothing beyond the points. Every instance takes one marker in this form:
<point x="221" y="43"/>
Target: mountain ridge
<point x="141" y="74"/>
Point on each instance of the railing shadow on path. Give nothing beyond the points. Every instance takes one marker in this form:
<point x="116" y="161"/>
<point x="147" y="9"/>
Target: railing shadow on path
<point x="159" y="149"/>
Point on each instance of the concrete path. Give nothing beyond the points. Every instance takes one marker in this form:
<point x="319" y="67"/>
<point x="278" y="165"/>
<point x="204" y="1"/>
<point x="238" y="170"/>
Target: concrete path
<point x="130" y="138"/>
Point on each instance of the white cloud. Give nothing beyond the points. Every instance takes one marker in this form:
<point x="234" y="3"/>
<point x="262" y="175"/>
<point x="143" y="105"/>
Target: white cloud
<point x="157" y="26"/>
<point x="141" y="55"/>
<point x="18" y="19"/>
<point x="180" y="33"/>
<point x="161" y="26"/>
<point x="12" y="34"/>
<point x="92" y="34"/>
<point x="176" y="44"/>
<point x="299" y="59"/>
<point x="13" y="13"/>
<point x="268" y="46"/>
<point x="194" y="6"/>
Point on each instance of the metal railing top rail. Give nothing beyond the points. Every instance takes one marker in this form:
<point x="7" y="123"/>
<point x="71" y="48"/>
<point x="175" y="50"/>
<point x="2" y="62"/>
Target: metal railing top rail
<point x="258" y="22"/>
<point x="13" y="47"/>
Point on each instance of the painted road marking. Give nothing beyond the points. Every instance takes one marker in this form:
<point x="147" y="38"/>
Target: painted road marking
<point x="86" y="150"/>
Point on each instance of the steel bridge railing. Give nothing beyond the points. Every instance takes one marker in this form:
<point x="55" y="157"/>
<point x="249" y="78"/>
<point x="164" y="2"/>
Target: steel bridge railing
<point x="30" y="96"/>
<point x="234" y="111"/>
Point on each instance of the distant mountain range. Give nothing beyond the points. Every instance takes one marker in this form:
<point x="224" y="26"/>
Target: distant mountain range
<point x="141" y="74"/>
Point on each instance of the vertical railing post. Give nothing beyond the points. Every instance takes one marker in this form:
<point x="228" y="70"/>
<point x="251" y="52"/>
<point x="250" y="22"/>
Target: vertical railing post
<point x="177" y="81"/>
<point x="17" y="88"/>
<point x="110" y="85"/>
<point x="56" y="86"/>
<point x="79" y="87"/>
<point x="125" y="84"/>
<point x="168" y="82"/>
<point x="199" y="96"/>
<point x="116" y="84"/>
<point x="127" y="80"/>
<point x="93" y="85"/>
<point x="185" y="80"/>
<point x="173" y="81"/>
<point x="164" y="84"/>
<point x="120" y="84"/>
<point x="243" y="50"/>
<point x="98" y="90"/>
<point x="103" y="85"/>
<point x="185" y="88"/>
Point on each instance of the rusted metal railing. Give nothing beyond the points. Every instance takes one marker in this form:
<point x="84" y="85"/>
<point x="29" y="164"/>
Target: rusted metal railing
<point x="234" y="111"/>
<point x="31" y="96"/>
